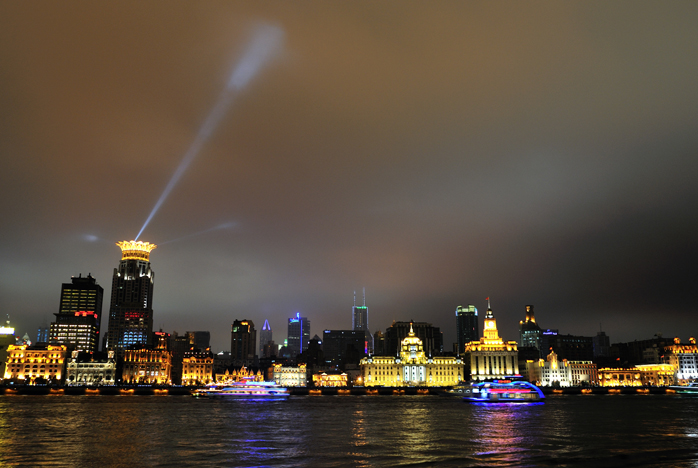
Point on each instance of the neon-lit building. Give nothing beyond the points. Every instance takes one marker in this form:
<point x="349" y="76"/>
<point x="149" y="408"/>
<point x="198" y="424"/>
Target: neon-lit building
<point x="91" y="372"/>
<point x="359" y="322"/>
<point x="288" y="376"/>
<point x="79" y="315"/>
<point x="131" y="305"/>
<point x="265" y="338"/>
<point x="412" y="368"/>
<point x="149" y="365"/>
<point x="30" y="363"/>
<point x="298" y="334"/>
<point x="491" y="357"/>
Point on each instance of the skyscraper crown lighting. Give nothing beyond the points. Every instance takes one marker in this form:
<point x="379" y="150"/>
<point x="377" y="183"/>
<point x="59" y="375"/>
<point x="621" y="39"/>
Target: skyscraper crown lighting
<point x="136" y="250"/>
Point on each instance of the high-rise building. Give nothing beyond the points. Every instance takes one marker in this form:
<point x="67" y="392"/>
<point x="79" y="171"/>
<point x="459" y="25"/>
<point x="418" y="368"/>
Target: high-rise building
<point x="343" y="347"/>
<point x="298" y="334"/>
<point x="79" y="315"/>
<point x="200" y="339"/>
<point x="602" y="344"/>
<point x="131" y="305"/>
<point x="359" y="322"/>
<point x="467" y="326"/>
<point x="265" y="337"/>
<point x="431" y="337"/>
<point x="243" y="342"/>
<point x="379" y="343"/>
<point x="530" y="334"/>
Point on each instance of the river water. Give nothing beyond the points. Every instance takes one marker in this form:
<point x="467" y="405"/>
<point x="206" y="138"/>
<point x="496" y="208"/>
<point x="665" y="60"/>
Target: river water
<point x="319" y="431"/>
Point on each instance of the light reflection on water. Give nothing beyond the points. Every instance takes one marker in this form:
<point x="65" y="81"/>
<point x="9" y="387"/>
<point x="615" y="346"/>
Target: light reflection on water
<point x="347" y="431"/>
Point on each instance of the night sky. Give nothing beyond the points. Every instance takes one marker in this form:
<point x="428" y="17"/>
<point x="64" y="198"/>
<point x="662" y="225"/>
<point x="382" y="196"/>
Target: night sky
<point x="435" y="153"/>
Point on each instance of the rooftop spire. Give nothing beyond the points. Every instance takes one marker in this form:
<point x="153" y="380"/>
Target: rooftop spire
<point x="364" y="297"/>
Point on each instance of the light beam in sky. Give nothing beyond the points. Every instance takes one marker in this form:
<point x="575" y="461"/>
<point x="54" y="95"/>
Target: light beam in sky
<point x="265" y="44"/>
<point x="229" y="225"/>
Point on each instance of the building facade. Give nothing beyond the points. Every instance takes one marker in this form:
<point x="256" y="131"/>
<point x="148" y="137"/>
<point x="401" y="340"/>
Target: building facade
<point x="298" y="334"/>
<point x="149" y="365"/>
<point x="342" y="347"/>
<point x="77" y="323"/>
<point x="431" y="337"/>
<point x="290" y="376"/>
<point x="530" y="334"/>
<point x="131" y="304"/>
<point x="684" y="359"/>
<point x="491" y="357"/>
<point x="467" y="326"/>
<point x="31" y="364"/>
<point x="91" y="372"/>
<point x="197" y="368"/>
<point x="413" y="368"/>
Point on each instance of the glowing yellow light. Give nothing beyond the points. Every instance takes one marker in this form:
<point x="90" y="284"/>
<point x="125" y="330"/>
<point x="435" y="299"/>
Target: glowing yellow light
<point x="135" y="250"/>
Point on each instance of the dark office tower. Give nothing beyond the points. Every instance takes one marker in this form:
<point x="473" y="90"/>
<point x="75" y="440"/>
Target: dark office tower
<point x="530" y="334"/>
<point x="359" y="322"/>
<point x="431" y="337"/>
<point x="265" y="337"/>
<point x="131" y="307"/>
<point x="79" y="315"/>
<point x="467" y="326"/>
<point x="243" y="343"/>
<point x="379" y="343"/>
<point x="298" y="334"/>
<point x="200" y="339"/>
<point x="343" y="347"/>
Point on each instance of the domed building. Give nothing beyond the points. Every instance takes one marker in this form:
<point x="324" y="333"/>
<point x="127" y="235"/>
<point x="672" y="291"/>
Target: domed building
<point x="412" y="368"/>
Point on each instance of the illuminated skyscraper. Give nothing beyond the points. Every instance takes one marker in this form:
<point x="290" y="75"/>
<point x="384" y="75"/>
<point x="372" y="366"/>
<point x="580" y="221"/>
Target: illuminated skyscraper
<point x="530" y="333"/>
<point x="359" y="322"/>
<point x="243" y="342"/>
<point x="491" y="357"/>
<point x="131" y="306"/>
<point x="265" y="337"/>
<point x="467" y="326"/>
<point x="79" y="315"/>
<point x="298" y="334"/>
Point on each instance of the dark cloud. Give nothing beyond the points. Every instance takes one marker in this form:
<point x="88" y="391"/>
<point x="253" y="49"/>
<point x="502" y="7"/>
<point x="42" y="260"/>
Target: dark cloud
<point x="434" y="153"/>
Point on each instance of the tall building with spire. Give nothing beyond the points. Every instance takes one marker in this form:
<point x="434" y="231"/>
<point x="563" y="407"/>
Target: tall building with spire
<point x="530" y="333"/>
<point x="491" y="357"/>
<point x="359" y="322"/>
<point x="131" y="305"/>
<point x="79" y="315"/>
<point x="265" y="337"/>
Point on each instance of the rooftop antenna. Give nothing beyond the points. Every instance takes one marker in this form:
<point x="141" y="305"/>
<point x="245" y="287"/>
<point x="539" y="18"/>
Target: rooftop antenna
<point x="488" y="303"/>
<point x="364" y="297"/>
<point x="354" y="298"/>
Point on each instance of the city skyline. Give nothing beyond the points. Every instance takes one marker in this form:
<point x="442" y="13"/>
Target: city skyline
<point x="534" y="154"/>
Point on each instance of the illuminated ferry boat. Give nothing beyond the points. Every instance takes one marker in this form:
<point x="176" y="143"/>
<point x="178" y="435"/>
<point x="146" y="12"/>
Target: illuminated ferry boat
<point x="502" y="391"/>
<point x="247" y="390"/>
<point x="690" y="389"/>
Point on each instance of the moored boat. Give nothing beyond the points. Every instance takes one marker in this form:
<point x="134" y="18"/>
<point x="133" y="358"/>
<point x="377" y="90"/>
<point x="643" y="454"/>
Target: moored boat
<point x="690" y="389"/>
<point x="502" y="391"/>
<point x="247" y="390"/>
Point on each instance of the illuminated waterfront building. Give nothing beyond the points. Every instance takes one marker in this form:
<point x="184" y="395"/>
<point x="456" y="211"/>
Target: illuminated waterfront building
<point x="684" y="359"/>
<point x="131" y="305"/>
<point x="290" y="376"/>
<point x="563" y="373"/>
<point x="298" y="334"/>
<point x="467" y="326"/>
<point x="359" y="322"/>
<point x="240" y="375"/>
<point x="265" y="338"/>
<point x="197" y="367"/>
<point x="431" y="337"/>
<point x="330" y="379"/>
<point x="79" y="315"/>
<point x="243" y="342"/>
<point x="92" y="371"/>
<point x="641" y="375"/>
<point x="411" y="368"/>
<point x="491" y="357"/>
<point x="149" y="365"/>
<point x="7" y="338"/>
<point x="31" y="363"/>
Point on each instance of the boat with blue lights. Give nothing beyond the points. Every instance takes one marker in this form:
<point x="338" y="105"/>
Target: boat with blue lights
<point x="244" y="390"/>
<point x="502" y="391"/>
